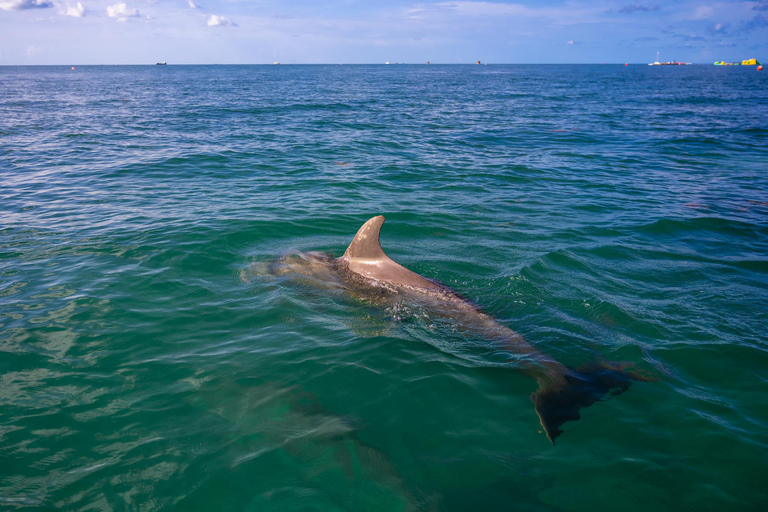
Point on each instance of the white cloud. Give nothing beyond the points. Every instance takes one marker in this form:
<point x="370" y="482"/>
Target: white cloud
<point x="122" y="12"/>
<point x="214" y="20"/>
<point x="191" y="4"/>
<point x="21" y="5"/>
<point x="76" y="11"/>
<point x="569" y="42"/>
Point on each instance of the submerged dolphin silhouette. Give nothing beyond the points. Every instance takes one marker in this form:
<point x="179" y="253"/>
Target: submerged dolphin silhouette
<point x="365" y="268"/>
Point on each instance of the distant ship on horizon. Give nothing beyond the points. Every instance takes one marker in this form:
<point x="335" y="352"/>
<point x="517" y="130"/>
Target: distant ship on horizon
<point x="670" y="63"/>
<point x="161" y="63"/>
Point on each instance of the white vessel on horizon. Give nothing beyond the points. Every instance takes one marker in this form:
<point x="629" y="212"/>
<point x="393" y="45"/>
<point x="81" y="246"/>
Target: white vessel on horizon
<point x="670" y="63"/>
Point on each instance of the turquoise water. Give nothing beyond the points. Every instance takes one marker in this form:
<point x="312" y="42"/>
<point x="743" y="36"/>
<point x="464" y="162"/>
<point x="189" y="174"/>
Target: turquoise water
<point x="601" y="211"/>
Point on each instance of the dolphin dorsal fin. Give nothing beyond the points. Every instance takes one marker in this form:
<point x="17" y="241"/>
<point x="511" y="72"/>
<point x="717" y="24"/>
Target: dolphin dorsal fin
<point x="365" y="257"/>
<point x="366" y="243"/>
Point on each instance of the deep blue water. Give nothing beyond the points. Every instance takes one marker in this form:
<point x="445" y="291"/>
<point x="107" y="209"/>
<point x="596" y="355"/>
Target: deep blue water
<point x="601" y="211"/>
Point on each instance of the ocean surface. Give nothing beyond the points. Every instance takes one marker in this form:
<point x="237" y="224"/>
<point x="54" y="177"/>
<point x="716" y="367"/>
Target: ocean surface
<point x="603" y="212"/>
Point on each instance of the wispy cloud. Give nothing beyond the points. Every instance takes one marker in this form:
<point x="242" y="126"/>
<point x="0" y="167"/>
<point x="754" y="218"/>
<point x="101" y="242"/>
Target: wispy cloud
<point x="703" y="12"/>
<point x="630" y="8"/>
<point x="690" y="37"/>
<point x="22" y="5"/>
<point x="571" y="13"/>
<point x="192" y="4"/>
<point x="122" y="12"/>
<point x="76" y="11"/>
<point x="758" y="21"/>
<point x="485" y="8"/>
<point x="214" y="20"/>
<point x="32" y="51"/>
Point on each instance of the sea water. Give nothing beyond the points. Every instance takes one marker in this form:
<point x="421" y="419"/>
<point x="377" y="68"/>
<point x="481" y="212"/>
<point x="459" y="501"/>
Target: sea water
<point x="603" y="212"/>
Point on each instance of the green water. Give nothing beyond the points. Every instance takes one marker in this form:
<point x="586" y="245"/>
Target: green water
<point x="600" y="211"/>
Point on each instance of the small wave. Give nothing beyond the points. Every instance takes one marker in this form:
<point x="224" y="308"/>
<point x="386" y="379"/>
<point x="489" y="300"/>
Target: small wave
<point x="719" y="225"/>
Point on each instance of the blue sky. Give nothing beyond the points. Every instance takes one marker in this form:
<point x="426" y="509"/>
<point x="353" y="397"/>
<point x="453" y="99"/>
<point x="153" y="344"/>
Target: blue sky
<point x="71" y="32"/>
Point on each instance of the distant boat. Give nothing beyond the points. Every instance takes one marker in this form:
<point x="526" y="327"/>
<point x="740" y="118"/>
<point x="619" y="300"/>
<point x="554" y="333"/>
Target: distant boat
<point x="161" y="63"/>
<point x="669" y="63"/>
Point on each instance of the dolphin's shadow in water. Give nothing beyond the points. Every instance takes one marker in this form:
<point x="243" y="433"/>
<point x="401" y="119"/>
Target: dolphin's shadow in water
<point x="366" y="272"/>
<point x="277" y="431"/>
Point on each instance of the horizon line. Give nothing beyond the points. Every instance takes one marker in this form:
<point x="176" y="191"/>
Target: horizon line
<point x="364" y="64"/>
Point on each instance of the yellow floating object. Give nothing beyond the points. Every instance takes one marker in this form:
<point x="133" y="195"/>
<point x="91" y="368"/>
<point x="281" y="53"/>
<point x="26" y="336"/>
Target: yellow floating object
<point x="747" y="62"/>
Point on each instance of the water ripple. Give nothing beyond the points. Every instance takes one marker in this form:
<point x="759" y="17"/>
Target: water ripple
<point x="601" y="211"/>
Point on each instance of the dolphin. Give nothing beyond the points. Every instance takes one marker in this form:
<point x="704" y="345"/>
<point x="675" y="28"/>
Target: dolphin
<point x="365" y="270"/>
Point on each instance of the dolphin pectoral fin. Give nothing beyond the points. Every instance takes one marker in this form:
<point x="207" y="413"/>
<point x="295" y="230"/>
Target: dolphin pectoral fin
<point x="560" y="403"/>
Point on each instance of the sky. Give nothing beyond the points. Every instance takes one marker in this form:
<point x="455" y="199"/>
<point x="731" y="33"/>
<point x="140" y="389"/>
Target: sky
<point x="71" y="32"/>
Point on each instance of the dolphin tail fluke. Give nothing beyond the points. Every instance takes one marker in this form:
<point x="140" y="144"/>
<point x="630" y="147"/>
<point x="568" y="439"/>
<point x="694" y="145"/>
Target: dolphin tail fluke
<point x="558" y="403"/>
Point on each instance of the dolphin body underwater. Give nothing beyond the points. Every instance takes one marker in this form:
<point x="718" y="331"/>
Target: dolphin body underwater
<point x="366" y="270"/>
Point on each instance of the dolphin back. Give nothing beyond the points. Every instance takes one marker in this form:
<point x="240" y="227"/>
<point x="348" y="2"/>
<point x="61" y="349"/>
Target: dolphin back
<point x="563" y="391"/>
